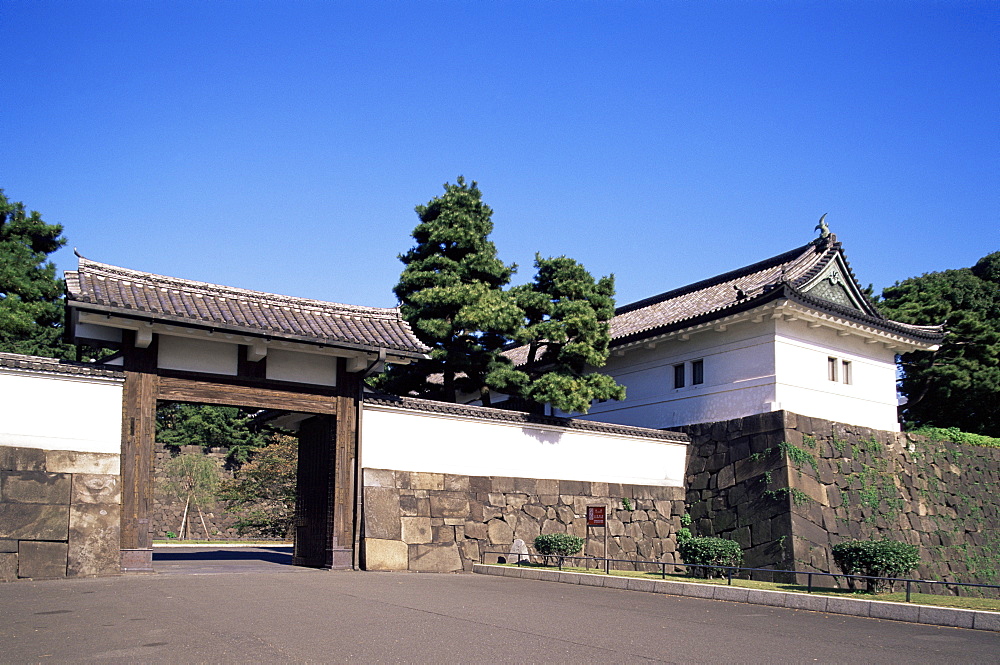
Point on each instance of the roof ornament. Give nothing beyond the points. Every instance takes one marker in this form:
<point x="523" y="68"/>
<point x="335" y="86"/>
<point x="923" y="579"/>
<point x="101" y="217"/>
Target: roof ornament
<point x="740" y="293"/>
<point x="824" y="230"/>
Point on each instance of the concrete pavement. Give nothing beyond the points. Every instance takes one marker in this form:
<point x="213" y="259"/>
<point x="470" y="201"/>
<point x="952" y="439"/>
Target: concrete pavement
<point x="287" y="614"/>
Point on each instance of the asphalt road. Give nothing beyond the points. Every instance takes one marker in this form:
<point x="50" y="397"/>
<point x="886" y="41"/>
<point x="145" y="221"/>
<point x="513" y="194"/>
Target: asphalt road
<point x="231" y="607"/>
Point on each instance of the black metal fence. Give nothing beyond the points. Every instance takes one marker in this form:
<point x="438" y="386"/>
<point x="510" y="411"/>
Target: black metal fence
<point x="729" y="572"/>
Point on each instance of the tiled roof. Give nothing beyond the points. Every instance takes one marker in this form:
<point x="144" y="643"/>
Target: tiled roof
<point x="517" y="417"/>
<point x="780" y="276"/>
<point x="105" y="288"/>
<point x="17" y="361"/>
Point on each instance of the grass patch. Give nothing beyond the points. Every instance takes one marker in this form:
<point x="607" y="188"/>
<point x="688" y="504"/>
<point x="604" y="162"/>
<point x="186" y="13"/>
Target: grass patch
<point x="966" y="603"/>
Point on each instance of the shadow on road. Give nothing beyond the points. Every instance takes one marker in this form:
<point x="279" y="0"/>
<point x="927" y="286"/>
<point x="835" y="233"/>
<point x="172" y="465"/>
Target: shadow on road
<point x="206" y="560"/>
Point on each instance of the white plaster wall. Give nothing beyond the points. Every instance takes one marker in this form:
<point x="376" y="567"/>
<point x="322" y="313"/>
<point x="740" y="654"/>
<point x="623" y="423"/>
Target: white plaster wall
<point x="54" y="412"/>
<point x="739" y="379"/>
<point x="198" y="355"/>
<point x="801" y="355"/>
<point x="301" y="367"/>
<point x="406" y="440"/>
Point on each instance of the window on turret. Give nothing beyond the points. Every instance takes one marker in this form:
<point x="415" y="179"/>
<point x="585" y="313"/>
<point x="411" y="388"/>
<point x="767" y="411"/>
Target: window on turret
<point x="831" y="365"/>
<point x="697" y="372"/>
<point x="679" y="376"/>
<point x="845" y="373"/>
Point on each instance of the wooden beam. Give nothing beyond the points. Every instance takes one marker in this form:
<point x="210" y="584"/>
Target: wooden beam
<point x="208" y="392"/>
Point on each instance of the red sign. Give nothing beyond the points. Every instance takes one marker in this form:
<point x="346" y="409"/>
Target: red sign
<point x="595" y="515"/>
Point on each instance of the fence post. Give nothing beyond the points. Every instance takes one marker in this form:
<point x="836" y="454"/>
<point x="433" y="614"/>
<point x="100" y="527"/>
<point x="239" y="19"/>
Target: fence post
<point x="809" y="583"/>
<point x="907" y="590"/>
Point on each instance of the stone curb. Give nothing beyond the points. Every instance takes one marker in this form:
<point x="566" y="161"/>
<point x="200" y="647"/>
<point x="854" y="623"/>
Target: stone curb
<point x="875" y="609"/>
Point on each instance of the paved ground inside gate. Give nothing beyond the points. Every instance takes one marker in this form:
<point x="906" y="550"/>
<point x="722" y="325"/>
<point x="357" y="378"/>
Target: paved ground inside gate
<point x="215" y="606"/>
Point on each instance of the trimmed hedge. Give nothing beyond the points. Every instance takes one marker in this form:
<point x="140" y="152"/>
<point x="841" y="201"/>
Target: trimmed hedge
<point x="708" y="551"/>
<point x="561" y="544"/>
<point x="878" y="558"/>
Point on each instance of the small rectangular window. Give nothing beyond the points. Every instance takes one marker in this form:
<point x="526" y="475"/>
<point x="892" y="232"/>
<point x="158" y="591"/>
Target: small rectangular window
<point x="697" y="372"/>
<point x="679" y="376"/>
<point x="845" y="373"/>
<point x="831" y="364"/>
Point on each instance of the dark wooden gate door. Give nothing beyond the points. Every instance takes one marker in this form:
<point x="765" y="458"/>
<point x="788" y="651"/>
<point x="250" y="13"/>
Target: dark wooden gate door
<point x="313" y="506"/>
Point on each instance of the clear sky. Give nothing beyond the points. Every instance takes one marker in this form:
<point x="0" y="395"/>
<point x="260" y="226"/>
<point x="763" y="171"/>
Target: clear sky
<point x="281" y="146"/>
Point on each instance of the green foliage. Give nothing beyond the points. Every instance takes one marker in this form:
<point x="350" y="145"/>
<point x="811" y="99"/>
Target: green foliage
<point x="880" y="558"/>
<point x="263" y="491"/>
<point x="955" y="435"/>
<point x="31" y="296"/>
<point x="566" y="331"/>
<point x="627" y="503"/>
<point x="798" y="456"/>
<point x="183" y="424"/>
<point x="451" y="294"/>
<point x="959" y="384"/>
<point x="702" y="551"/>
<point x="561" y="544"/>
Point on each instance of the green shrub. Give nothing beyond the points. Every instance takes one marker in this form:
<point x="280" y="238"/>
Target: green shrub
<point x="956" y="435"/>
<point x="881" y="558"/>
<point x="561" y="544"/>
<point x="706" y="551"/>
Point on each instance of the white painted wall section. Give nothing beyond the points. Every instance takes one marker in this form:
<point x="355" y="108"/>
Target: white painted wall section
<point x="301" y="367"/>
<point x="409" y="440"/>
<point x="55" y="412"/>
<point x="198" y="355"/>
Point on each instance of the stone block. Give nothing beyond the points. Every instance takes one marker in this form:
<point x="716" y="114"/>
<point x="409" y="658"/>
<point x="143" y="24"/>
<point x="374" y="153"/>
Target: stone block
<point x="697" y="590"/>
<point x="426" y="481"/>
<point x="526" y="528"/>
<point x="764" y="597"/>
<point x="812" y="487"/>
<point x="379" y="478"/>
<point x="8" y="545"/>
<point x="14" y="458"/>
<point x="805" y="601"/>
<point x="34" y="521"/>
<point x="574" y="487"/>
<point x="35" y="487"/>
<point x="443" y="534"/>
<point x="8" y="566"/>
<point x="986" y="621"/>
<point x="40" y="560"/>
<point x="476" y="530"/>
<point x="470" y="551"/>
<point x="449" y="505"/>
<point x="947" y="616"/>
<point x="435" y="558"/>
<point x="382" y="513"/>
<point x="499" y="532"/>
<point x="547" y="487"/>
<point x="503" y="484"/>
<point x="96" y="488"/>
<point x="733" y="594"/>
<point x="453" y="483"/>
<point x="850" y="606"/>
<point x="895" y="612"/>
<point x="66" y="461"/>
<point x="382" y="554"/>
<point x="516" y="501"/>
<point x="641" y="584"/>
<point x="94" y="537"/>
<point x="480" y="484"/>
<point x="415" y="530"/>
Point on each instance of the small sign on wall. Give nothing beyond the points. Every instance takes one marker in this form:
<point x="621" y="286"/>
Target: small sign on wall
<point x="595" y="516"/>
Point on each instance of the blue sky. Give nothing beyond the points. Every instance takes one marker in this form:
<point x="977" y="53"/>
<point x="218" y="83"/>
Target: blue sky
<point x="282" y="146"/>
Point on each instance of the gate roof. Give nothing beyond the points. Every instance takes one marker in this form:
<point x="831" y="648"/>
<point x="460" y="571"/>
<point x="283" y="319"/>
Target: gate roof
<point x="105" y="288"/>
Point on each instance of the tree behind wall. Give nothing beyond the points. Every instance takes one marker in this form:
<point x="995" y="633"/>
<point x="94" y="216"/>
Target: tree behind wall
<point x="451" y="294"/>
<point x="959" y="384"/>
<point x="31" y="297"/>
<point x="566" y="335"/>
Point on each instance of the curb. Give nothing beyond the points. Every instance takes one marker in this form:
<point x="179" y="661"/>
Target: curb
<point x="874" y="609"/>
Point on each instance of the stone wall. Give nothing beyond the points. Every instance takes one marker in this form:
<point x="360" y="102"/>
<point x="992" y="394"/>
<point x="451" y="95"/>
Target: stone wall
<point x="443" y="522"/>
<point x="788" y="488"/>
<point x="59" y="513"/>
<point x="168" y="509"/>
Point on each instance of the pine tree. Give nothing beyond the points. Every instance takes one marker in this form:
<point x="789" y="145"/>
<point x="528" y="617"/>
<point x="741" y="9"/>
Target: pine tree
<point x="567" y="334"/>
<point x="451" y="293"/>
<point x="31" y="297"/>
